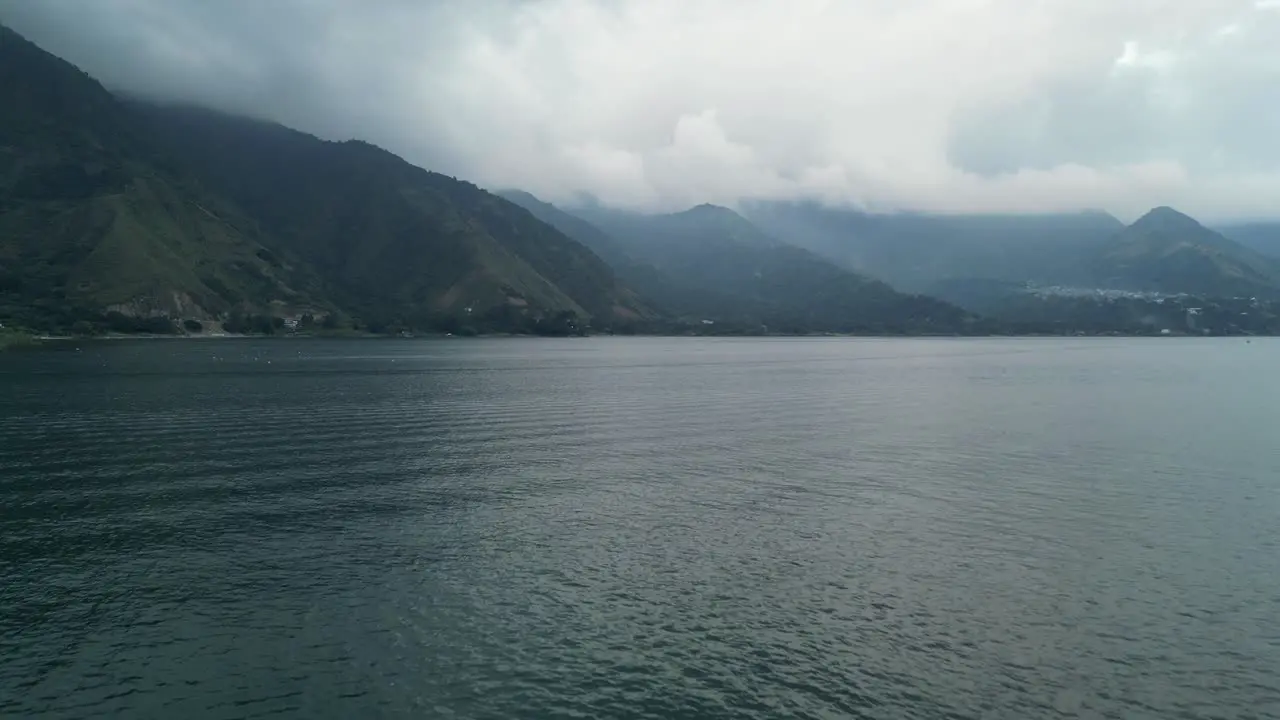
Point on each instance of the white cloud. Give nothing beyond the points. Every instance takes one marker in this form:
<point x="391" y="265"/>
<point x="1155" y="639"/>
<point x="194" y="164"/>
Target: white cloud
<point x="1134" y="57"/>
<point x="950" y="105"/>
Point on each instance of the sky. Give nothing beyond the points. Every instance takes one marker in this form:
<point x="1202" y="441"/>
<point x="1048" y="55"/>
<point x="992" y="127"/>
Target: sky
<point x="952" y="106"/>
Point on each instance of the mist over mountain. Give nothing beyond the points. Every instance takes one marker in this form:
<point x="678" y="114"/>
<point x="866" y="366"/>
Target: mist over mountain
<point x="1261" y="236"/>
<point x="397" y="241"/>
<point x="130" y="215"/>
<point x="1075" y="272"/>
<point x="710" y="263"/>
<point x="916" y="251"/>
<point x="127" y="215"/>
<point x="929" y="107"/>
<point x="93" y="219"/>
<point x="1164" y="250"/>
<point x="118" y="208"/>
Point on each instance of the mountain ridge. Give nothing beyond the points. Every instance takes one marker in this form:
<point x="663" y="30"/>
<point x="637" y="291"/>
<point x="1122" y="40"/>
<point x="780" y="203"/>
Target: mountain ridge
<point x="930" y="253"/>
<point x="1259" y="236"/>
<point x="127" y="215"/>
<point x="111" y="207"/>
<point x="915" y="251"/>
<point x="1168" y="251"/>
<point x="90" y="221"/>
<point x="718" y="263"/>
<point x="284" y="173"/>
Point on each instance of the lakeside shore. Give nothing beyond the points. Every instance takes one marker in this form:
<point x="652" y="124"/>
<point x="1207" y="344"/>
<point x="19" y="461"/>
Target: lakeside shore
<point x="15" y="340"/>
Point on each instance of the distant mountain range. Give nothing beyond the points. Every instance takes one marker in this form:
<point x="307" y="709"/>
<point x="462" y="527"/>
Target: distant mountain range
<point x="710" y="263"/>
<point x="1164" y="251"/>
<point x="1263" y="237"/>
<point x="915" y="251"/>
<point x="122" y="215"/>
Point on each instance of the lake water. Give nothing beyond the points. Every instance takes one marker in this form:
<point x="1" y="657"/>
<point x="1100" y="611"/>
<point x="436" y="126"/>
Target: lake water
<point x="641" y="528"/>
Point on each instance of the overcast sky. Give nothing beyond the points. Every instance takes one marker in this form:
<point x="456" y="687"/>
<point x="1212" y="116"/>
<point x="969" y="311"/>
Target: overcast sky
<point x="944" y="105"/>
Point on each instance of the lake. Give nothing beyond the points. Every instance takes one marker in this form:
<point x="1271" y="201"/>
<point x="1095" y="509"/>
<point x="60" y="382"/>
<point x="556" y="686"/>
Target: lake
<point x="641" y="528"/>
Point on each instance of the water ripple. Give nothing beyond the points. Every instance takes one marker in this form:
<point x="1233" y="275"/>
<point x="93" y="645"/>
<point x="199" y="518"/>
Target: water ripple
<point x="641" y="529"/>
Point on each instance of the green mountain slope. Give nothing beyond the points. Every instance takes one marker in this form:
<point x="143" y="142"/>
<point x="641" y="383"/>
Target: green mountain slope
<point x="710" y="261"/>
<point x="1167" y="251"/>
<point x="90" y="222"/>
<point x="400" y="244"/>
<point x="112" y="208"/>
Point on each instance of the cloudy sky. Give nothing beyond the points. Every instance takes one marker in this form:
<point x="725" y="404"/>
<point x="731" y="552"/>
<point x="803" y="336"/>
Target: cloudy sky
<point x="942" y="105"/>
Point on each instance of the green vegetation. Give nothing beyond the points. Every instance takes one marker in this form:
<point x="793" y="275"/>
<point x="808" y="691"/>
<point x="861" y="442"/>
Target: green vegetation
<point x="1183" y="315"/>
<point x="124" y="217"/>
<point x="253" y="324"/>
<point x="1170" y="252"/>
<point x="95" y="225"/>
<point x="13" y="339"/>
<point x="171" y="216"/>
<point x="399" y="247"/>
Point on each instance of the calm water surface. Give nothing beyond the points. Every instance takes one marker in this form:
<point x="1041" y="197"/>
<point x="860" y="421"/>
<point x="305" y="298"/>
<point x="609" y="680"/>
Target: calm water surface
<point x="641" y="528"/>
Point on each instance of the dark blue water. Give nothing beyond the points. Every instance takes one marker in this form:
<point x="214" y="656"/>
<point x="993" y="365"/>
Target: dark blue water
<point x="641" y="528"/>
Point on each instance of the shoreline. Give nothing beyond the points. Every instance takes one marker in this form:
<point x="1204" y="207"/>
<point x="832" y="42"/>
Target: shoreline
<point x="34" y="340"/>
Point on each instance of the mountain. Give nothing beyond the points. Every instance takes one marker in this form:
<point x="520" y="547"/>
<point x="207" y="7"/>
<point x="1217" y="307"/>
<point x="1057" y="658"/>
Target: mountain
<point x="710" y="261"/>
<point x="977" y="259"/>
<point x="687" y="302"/>
<point x="1165" y="273"/>
<point x="1263" y="237"/>
<point x="125" y="215"/>
<point x="1167" y="251"/>
<point x="600" y="242"/>
<point x="919" y="252"/>
<point x="91" y="223"/>
<point x="710" y="226"/>
<point x="399" y="243"/>
<point x="115" y="212"/>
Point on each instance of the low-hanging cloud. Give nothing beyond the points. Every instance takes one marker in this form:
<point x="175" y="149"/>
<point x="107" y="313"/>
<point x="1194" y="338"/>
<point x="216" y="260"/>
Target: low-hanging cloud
<point x="938" y="105"/>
